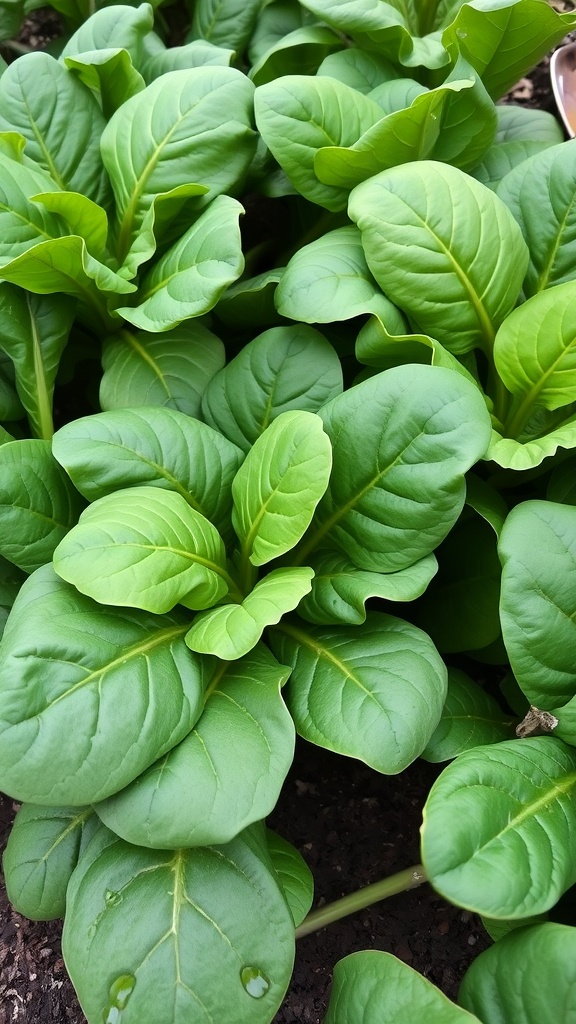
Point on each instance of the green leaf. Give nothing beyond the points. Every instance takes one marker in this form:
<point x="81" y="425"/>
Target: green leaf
<point x="170" y="919"/>
<point x="293" y="874"/>
<point x="250" y="301"/>
<point x="89" y="699"/>
<point x="120" y="25"/>
<point x="528" y="976"/>
<point x="190" y="278"/>
<point x="38" y="504"/>
<point x="498" y="162"/>
<point x="244" y="713"/>
<point x="282" y="369"/>
<point x="232" y="630"/>
<point x="279" y="485"/>
<point x="540" y="195"/>
<point x="156" y="446"/>
<point x="298" y="115"/>
<point x="358" y="68"/>
<point x="40" y="99"/>
<point x="401" y="441"/>
<point x="161" y="221"/>
<point x="170" y="370"/>
<point x="518" y="455"/>
<point x="386" y="344"/>
<point x="538" y="553"/>
<point x="109" y="74"/>
<point x="11" y="579"/>
<point x="375" y="694"/>
<point x="520" y="124"/>
<point x="199" y="130"/>
<point x="299" y="52"/>
<point x="225" y="22"/>
<point x="470" y="718"/>
<point x="499" y="826"/>
<point x="375" y="988"/>
<point x="177" y="58"/>
<point x="144" y="547"/>
<point x="34" y="332"/>
<point x="340" y="590"/>
<point x="82" y="217"/>
<point x="42" y="851"/>
<point x="427" y="231"/>
<point x="23" y="223"/>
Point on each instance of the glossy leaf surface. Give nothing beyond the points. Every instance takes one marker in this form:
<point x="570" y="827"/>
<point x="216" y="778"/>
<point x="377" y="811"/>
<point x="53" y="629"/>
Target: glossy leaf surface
<point x="293" y="874"/>
<point x="470" y="718"/>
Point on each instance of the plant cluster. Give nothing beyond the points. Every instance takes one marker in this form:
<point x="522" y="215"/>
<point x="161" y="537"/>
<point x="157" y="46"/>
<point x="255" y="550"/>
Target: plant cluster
<point x="309" y="472"/>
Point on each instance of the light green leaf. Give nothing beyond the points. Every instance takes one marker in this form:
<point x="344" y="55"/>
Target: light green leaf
<point x="160" y="222"/>
<point x="144" y="547"/>
<point x="42" y="851"/>
<point x="177" y="58"/>
<point x="232" y="630"/>
<point x="499" y="826"/>
<point x="152" y="445"/>
<point x="225" y="22"/>
<point x="518" y="455"/>
<point x="528" y="977"/>
<point x="109" y="74"/>
<point x="279" y="485"/>
<point x="397" y="94"/>
<point x="521" y="124"/>
<point x="190" y="278"/>
<point x="171" y="917"/>
<point x="538" y="553"/>
<point x="470" y="718"/>
<point x="360" y="69"/>
<point x="298" y="115"/>
<point x="402" y="441"/>
<point x="386" y="344"/>
<point x="38" y="504"/>
<point x="293" y="874"/>
<point x="340" y="590"/>
<point x="299" y="52"/>
<point x="375" y="694"/>
<point x="82" y="217"/>
<point x="89" y="699"/>
<point x="231" y="765"/>
<point x="23" y="223"/>
<point x="170" y="369"/>
<point x="120" y="25"/>
<point x="11" y="579"/>
<point x="433" y="253"/>
<point x="283" y="368"/>
<point x="34" y="332"/>
<point x="250" y="301"/>
<point x="500" y="160"/>
<point x="375" y="988"/>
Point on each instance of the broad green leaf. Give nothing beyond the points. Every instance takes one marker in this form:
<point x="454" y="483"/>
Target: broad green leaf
<point x="300" y="52"/>
<point x="190" y="278"/>
<point x="170" y="918"/>
<point x="40" y="99"/>
<point x="42" y="851"/>
<point x="82" y="217"/>
<point x="499" y="826"/>
<point x="177" y="58"/>
<point x="156" y="446"/>
<point x="375" y="694"/>
<point x="498" y="929"/>
<point x="538" y="553"/>
<point x="360" y="69"/>
<point x="340" y="590"/>
<point x="293" y="874"/>
<point x="89" y="698"/>
<point x="34" y="332"/>
<point x="160" y="222"/>
<point x="283" y="368"/>
<point x="520" y="124"/>
<point x="500" y="160"/>
<point x="279" y="484"/>
<point x="231" y="765"/>
<point x="120" y="25"/>
<point x="225" y="22"/>
<point x="427" y="231"/>
<point x="170" y="370"/>
<point x="401" y="441"/>
<point x="535" y="355"/>
<point x="249" y="302"/>
<point x="386" y="343"/>
<point x="397" y="94"/>
<point x="198" y="130"/>
<point x="503" y="39"/>
<point x="486" y="501"/>
<point x="375" y="988"/>
<point x="470" y="718"/>
<point x="232" y="630"/>
<point x="109" y="74"/>
<point x="276" y="20"/>
<point x="38" y="504"/>
<point x="11" y="579"/>
<point x="144" y="547"/>
<point x="541" y="196"/>
<point x="527" y="977"/>
<point x="23" y="223"/>
<point x="297" y="115"/>
<point x="518" y="455"/>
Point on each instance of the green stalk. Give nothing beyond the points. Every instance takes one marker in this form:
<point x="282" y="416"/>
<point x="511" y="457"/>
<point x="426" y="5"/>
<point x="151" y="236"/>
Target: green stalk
<point x="362" y="898"/>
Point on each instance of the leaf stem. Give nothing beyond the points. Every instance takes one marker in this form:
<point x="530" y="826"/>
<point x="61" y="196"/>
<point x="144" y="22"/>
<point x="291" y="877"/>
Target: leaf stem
<point x="362" y="898"/>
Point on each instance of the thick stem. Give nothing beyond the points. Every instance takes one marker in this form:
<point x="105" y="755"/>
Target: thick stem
<point x="362" y="898"/>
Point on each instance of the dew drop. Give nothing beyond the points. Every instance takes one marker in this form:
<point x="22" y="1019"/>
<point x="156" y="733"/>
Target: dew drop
<point x="254" y="981"/>
<point x="111" y="898"/>
<point x="120" y="991"/>
<point x="461" y="33"/>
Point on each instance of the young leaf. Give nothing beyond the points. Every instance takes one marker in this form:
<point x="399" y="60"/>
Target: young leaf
<point x="170" y="369"/>
<point x="470" y="718"/>
<point x="283" y="368"/>
<point x="293" y="874"/>
<point x="299" y="52"/>
<point x="109" y="74"/>
<point x="499" y="826"/>
<point x="531" y="452"/>
<point x="231" y="765"/>
<point x="433" y="254"/>
<point x="360" y="69"/>
<point x="144" y="547"/>
<point x="170" y="918"/>
<point x="279" y="485"/>
<point x="82" y="216"/>
<point x="42" y="851"/>
<point x="401" y="441"/>
<point x="38" y="504"/>
<point x="121" y="26"/>
<point x="89" y="699"/>
<point x="375" y="694"/>
<point x="225" y="22"/>
<point x="232" y="630"/>
<point x="160" y="58"/>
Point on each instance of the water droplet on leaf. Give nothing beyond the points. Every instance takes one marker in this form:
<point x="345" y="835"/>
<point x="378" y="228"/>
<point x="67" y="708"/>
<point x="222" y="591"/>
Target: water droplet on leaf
<point x="461" y="33"/>
<point x="112" y="899"/>
<point x="254" y="981"/>
<point x="120" y="991"/>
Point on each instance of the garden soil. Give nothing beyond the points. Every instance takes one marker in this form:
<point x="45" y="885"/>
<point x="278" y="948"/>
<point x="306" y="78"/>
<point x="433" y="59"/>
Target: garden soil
<point x="352" y="826"/>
